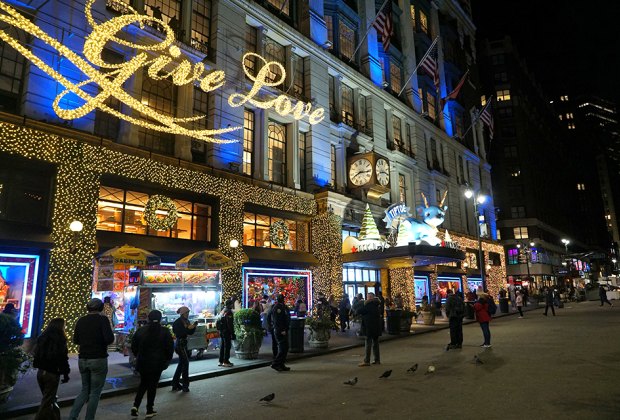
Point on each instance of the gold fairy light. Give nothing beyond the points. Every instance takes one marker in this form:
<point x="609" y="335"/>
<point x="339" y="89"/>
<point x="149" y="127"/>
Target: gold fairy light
<point x="111" y="83"/>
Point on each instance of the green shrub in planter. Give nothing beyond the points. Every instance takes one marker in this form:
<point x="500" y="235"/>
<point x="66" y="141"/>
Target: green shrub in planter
<point x="248" y="333"/>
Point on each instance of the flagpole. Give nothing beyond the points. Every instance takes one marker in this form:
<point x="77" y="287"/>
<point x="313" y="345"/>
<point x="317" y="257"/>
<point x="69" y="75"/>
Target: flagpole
<point x="418" y="66"/>
<point x="367" y="30"/>
<point x="478" y="116"/>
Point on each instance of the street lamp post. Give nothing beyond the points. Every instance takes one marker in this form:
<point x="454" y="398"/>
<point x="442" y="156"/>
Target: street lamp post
<point x="478" y="200"/>
<point x="566" y="242"/>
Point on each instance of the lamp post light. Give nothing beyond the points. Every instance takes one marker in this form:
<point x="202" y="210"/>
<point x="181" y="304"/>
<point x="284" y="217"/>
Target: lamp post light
<point x="527" y="250"/>
<point x="566" y="242"/>
<point x="479" y="199"/>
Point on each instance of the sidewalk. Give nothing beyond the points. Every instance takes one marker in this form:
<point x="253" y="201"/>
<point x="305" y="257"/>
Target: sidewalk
<point x="25" y="397"/>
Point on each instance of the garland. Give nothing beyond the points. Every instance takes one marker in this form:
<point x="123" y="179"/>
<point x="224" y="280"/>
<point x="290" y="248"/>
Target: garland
<point x="274" y="234"/>
<point x="160" y="202"/>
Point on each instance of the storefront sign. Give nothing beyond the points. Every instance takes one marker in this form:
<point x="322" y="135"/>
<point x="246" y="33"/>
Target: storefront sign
<point x="110" y="82"/>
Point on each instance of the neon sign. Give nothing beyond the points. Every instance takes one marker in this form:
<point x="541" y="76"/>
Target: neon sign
<point x="110" y="82"/>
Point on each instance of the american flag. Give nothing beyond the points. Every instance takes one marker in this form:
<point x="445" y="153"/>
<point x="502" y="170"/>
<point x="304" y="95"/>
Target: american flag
<point x="383" y="24"/>
<point x="487" y="118"/>
<point x="429" y="64"/>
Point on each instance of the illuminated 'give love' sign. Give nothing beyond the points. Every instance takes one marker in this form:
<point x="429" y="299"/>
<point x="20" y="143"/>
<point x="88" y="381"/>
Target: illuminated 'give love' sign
<point x="110" y="82"/>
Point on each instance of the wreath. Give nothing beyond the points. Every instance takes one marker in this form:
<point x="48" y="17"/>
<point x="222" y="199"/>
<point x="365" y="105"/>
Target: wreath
<point x="274" y="234"/>
<point x="155" y="203"/>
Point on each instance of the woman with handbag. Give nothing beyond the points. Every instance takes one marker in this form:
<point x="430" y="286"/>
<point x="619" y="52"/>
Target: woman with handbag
<point x="153" y="346"/>
<point x="51" y="357"/>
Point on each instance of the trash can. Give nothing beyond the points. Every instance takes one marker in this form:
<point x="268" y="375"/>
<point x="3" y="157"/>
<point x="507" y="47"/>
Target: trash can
<point x="393" y="322"/>
<point x="503" y="305"/>
<point x="469" y="310"/>
<point x="296" y="335"/>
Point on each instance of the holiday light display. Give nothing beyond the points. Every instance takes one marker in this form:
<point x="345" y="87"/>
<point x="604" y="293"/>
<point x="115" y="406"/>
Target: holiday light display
<point x="111" y="82"/>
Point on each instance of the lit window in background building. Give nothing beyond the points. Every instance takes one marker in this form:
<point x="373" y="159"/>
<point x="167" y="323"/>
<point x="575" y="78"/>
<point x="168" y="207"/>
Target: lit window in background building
<point x="423" y="22"/>
<point x="395" y="77"/>
<point x="161" y="96"/>
<point x="166" y="10"/>
<point x="123" y="211"/>
<point x="520" y="232"/>
<point x="248" y="141"/>
<point x="483" y="100"/>
<point x="346" y="40"/>
<point x="503" y="95"/>
<point x="201" y="26"/>
<point x="564" y="98"/>
<point x="251" y="44"/>
<point x="256" y="232"/>
<point x="346" y="95"/>
<point x="276" y="154"/>
<point x="402" y="188"/>
<point x="571" y="126"/>
<point x="430" y="99"/>
<point x="581" y="187"/>
<point x="346" y="233"/>
<point x="412" y="15"/>
<point x="513" y="256"/>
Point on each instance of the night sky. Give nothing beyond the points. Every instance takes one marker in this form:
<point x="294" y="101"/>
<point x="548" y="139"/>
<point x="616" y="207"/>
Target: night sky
<point x="571" y="46"/>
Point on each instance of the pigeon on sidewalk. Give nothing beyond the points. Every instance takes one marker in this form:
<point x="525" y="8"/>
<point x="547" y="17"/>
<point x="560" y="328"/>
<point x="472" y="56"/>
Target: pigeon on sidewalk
<point x="431" y="369"/>
<point x="413" y="368"/>
<point x="268" y="398"/>
<point x="386" y="374"/>
<point x="351" y="381"/>
<point x="477" y="360"/>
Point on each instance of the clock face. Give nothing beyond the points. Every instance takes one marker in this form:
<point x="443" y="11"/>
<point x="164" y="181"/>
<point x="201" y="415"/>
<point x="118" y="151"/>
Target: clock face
<point x="360" y="172"/>
<point x="383" y="172"/>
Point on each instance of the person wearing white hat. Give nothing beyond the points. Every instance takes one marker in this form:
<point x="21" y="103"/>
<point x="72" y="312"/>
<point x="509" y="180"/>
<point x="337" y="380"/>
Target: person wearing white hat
<point x="181" y="329"/>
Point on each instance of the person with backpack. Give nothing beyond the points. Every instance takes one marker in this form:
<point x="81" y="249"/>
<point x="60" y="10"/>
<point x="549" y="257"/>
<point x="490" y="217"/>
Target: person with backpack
<point x="455" y="310"/>
<point x="226" y="328"/>
<point x="483" y="317"/>
<point x="153" y="346"/>
<point x="51" y="357"/>
<point x="280" y="319"/>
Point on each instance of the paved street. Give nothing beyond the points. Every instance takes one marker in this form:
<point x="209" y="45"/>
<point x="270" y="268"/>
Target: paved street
<point x="539" y="367"/>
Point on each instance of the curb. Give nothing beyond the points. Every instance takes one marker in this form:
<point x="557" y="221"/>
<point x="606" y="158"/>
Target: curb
<point x="67" y="402"/>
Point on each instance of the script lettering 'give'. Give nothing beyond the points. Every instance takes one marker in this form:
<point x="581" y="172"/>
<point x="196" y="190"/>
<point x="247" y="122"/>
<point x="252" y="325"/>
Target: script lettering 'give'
<point x="110" y="82"/>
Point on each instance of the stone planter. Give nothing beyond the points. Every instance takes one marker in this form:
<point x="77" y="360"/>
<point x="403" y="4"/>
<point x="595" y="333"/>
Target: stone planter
<point x="428" y="318"/>
<point x="7" y="381"/>
<point x="319" y="339"/>
<point x="248" y="344"/>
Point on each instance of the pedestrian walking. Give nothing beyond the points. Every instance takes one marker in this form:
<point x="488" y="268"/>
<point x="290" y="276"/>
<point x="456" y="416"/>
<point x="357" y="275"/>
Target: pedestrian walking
<point x="93" y="335"/>
<point x="549" y="301"/>
<point x="371" y="324"/>
<point x="333" y="311"/>
<point x="455" y="310"/>
<point x="344" y="310"/>
<point x="51" y="358"/>
<point x="519" y="301"/>
<point x="182" y="328"/>
<point x="483" y="317"/>
<point x="226" y="327"/>
<point x="281" y="320"/>
<point x="153" y="346"/>
<point x="602" y="293"/>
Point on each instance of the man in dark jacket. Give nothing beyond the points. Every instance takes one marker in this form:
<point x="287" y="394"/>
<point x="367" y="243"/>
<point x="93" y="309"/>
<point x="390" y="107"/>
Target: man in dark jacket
<point x="93" y="334"/>
<point x="226" y="328"/>
<point x="371" y="324"/>
<point x="549" y="298"/>
<point x="281" y="319"/>
<point x="181" y="328"/>
<point x="153" y="346"/>
<point x="455" y="311"/>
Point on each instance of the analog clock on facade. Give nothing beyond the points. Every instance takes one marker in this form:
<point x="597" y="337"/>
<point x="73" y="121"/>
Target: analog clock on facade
<point x="383" y="172"/>
<point x="360" y="172"/>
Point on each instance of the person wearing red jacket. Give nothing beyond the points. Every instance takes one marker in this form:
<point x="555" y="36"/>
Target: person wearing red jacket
<point x="481" y="309"/>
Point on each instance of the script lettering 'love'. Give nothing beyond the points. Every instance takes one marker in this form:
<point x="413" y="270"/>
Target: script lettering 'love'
<point x="110" y="77"/>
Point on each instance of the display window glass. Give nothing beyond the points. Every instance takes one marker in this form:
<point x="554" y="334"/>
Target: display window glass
<point x="445" y="283"/>
<point x="18" y="285"/>
<point x="256" y="232"/>
<point x="420" y="287"/>
<point x="293" y="284"/>
<point x="473" y="284"/>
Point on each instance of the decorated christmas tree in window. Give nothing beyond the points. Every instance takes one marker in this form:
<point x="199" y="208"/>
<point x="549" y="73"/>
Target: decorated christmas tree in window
<point x="369" y="231"/>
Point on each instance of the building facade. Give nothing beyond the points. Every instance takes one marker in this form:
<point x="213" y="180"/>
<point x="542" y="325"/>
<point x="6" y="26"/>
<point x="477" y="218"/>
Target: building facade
<point x="293" y="96"/>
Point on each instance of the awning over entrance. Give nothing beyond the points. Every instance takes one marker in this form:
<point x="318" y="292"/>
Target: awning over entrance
<point x="403" y="256"/>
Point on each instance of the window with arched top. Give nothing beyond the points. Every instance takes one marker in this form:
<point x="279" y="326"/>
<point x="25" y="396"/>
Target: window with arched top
<point x="276" y="156"/>
<point x="275" y="52"/>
